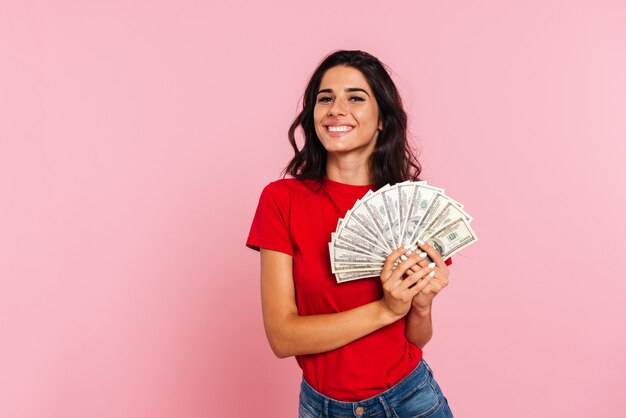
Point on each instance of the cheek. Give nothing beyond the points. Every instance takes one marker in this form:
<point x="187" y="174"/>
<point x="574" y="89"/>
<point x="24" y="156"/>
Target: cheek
<point x="318" y="114"/>
<point x="368" y="117"/>
<point x="317" y="117"/>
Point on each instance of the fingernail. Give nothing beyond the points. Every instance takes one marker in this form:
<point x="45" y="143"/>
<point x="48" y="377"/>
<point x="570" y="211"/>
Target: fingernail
<point x="423" y="255"/>
<point x="406" y="247"/>
<point x="432" y="265"/>
<point x="432" y="274"/>
<point x="409" y="252"/>
<point x="403" y="257"/>
<point x="420" y="242"/>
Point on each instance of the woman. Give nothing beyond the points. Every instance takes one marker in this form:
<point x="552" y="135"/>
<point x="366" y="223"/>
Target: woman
<point x="359" y="342"/>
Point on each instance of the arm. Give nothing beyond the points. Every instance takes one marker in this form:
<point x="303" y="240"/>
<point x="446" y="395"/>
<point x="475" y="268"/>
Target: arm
<point x="291" y="334"/>
<point x="418" y="327"/>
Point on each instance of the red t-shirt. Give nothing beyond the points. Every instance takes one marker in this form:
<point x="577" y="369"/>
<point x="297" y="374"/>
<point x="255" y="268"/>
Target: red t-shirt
<point x="297" y="217"/>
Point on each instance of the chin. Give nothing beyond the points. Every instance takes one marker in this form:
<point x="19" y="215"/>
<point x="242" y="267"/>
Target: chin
<point x="337" y="147"/>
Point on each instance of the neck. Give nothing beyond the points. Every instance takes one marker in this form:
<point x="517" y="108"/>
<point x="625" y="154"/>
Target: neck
<point x="350" y="169"/>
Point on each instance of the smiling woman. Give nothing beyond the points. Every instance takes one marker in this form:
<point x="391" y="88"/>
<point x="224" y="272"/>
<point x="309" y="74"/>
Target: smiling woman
<point x="359" y="343"/>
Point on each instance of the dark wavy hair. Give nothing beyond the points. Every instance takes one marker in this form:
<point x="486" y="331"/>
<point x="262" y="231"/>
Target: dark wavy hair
<point x="392" y="160"/>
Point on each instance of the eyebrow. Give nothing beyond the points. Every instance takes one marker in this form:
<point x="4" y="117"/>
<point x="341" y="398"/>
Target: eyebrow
<point x="347" y="89"/>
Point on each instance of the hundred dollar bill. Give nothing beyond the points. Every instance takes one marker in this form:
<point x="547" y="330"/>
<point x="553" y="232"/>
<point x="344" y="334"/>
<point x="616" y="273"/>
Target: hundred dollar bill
<point x="406" y="191"/>
<point x="345" y="253"/>
<point x="344" y="268"/>
<point x="350" y="224"/>
<point x="355" y="262"/>
<point x="361" y="214"/>
<point x="390" y="200"/>
<point x="452" y="238"/>
<point x="448" y="214"/>
<point x="417" y="207"/>
<point x="376" y="209"/>
<point x="350" y="239"/>
<point x="435" y="206"/>
<point x="354" y="275"/>
<point x="346" y="260"/>
<point x="411" y="211"/>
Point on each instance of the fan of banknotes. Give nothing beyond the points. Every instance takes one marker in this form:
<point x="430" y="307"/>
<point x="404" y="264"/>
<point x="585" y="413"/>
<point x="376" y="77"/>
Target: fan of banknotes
<point x="391" y="217"/>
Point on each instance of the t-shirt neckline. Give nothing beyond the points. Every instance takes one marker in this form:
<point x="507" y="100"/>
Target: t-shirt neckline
<point x="346" y="189"/>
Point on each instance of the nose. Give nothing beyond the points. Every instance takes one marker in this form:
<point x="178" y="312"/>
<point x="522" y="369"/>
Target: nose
<point x="336" y="108"/>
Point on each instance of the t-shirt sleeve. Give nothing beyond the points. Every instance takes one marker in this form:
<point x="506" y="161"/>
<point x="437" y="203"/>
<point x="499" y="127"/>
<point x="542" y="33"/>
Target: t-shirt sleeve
<point x="270" y="225"/>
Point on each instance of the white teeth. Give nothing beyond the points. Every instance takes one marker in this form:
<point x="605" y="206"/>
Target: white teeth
<point x="339" y="128"/>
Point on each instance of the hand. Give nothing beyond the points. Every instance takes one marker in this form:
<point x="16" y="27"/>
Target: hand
<point x="423" y="300"/>
<point x="397" y="290"/>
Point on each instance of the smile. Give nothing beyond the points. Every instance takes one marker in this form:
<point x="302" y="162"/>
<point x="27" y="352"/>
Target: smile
<point x="343" y="128"/>
<point x="338" y="131"/>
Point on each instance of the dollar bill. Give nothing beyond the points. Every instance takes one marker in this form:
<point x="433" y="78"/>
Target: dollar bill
<point x="354" y="275"/>
<point x="435" y="206"/>
<point x="378" y="213"/>
<point x="343" y="268"/>
<point x="340" y="249"/>
<point x="448" y="214"/>
<point x="417" y="208"/>
<point x="405" y="193"/>
<point x="452" y="238"/>
<point x="342" y="256"/>
<point x="360" y="214"/>
<point x="390" y="201"/>
<point x="350" y="226"/>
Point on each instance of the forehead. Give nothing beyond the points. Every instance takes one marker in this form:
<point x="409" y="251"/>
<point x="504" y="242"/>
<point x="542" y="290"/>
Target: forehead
<point x="342" y="76"/>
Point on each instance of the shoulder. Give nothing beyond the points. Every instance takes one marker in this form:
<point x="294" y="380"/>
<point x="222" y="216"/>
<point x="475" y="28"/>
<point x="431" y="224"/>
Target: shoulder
<point x="290" y="187"/>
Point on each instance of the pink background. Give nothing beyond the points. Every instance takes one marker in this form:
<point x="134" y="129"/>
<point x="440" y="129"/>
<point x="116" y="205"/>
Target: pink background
<point x="135" y="140"/>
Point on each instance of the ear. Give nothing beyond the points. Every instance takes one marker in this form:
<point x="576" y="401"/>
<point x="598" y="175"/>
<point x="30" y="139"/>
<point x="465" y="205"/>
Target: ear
<point x="380" y="125"/>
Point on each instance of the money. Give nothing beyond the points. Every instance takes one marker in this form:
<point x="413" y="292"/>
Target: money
<point x="393" y="216"/>
<point x="448" y="214"/>
<point x="353" y="275"/>
<point x="377" y="211"/>
<point x="452" y="238"/>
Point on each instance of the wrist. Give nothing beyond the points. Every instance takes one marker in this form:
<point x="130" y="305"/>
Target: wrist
<point x="386" y="315"/>
<point x="420" y="311"/>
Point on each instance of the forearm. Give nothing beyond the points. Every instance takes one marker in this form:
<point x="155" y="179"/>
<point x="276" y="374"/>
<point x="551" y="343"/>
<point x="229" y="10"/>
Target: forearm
<point x="320" y="333"/>
<point x="418" y="327"/>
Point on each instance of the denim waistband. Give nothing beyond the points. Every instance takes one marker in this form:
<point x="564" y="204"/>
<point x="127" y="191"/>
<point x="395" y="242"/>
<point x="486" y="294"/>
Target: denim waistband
<point x="377" y="404"/>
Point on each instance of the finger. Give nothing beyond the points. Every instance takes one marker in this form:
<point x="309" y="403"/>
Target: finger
<point x="432" y="253"/>
<point x="414" y="278"/>
<point x="390" y="261"/>
<point x="420" y="286"/>
<point x="422" y="263"/>
<point x="399" y="281"/>
<point x="416" y="267"/>
<point x="431" y="272"/>
<point x="435" y="286"/>
<point x="396" y="276"/>
<point x="441" y="275"/>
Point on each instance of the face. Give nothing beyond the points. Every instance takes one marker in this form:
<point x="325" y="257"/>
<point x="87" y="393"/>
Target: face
<point x="346" y="113"/>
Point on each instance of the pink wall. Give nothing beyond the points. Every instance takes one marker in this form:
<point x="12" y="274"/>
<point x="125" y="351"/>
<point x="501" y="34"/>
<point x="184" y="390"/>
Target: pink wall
<point x="134" y="143"/>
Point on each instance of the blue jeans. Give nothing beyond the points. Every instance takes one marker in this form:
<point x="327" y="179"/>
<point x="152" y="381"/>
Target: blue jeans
<point x="417" y="395"/>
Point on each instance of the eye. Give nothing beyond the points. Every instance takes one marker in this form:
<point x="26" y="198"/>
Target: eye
<point x="324" y="99"/>
<point x="357" y="99"/>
